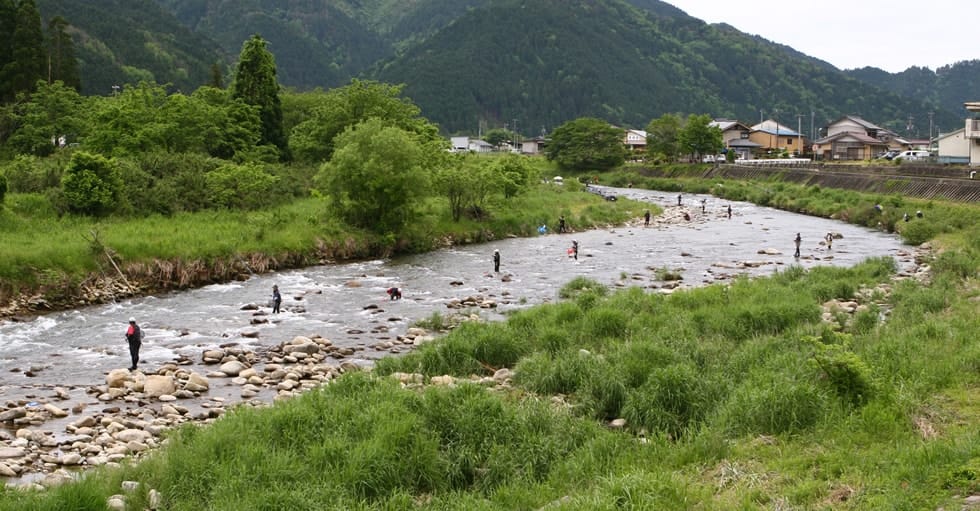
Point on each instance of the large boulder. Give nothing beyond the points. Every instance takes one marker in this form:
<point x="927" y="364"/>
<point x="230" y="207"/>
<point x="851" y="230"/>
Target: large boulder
<point x="158" y="385"/>
<point x="197" y="383"/>
<point x="117" y="378"/>
<point x="232" y="367"/>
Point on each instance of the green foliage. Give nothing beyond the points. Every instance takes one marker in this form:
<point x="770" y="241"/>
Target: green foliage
<point x="21" y="69"/>
<point x="375" y="177"/>
<point x="255" y="83"/>
<point x="243" y="186"/>
<point x="63" y="65"/>
<point x="587" y="144"/>
<point x="315" y="137"/>
<point x="698" y="138"/>
<point x="672" y="399"/>
<point x="772" y="403"/>
<point x="51" y="117"/>
<point x="845" y="372"/>
<point x="663" y="137"/>
<point x="514" y="174"/>
<point x="3" y="187"/>
<point x="579" y="285"/>
<point x="91" y="185"/>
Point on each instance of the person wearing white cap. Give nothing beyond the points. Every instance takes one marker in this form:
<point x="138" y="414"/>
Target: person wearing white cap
<point x="496" y="261"/>
<point x="134" y="335"/>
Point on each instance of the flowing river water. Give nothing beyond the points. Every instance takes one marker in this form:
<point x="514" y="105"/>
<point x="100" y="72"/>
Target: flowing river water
<point x="74" y="349"/>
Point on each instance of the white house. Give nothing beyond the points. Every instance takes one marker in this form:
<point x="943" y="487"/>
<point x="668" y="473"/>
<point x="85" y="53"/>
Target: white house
<point x="954" y="147"/>
<point x="972" y="132"/>
<point x="467" y="144"/>
<point x="635" y="140"/>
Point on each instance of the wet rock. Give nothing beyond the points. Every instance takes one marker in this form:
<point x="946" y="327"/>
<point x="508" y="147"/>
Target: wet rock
<point x="156" y="385"/>
<point x="251" y="334"/>
<point x="9" y="415"/>
<point x="249" y="307"/>
<point x="55" y="411"/>
<point x="12" y="452"/>
<point x="232" y="368"/>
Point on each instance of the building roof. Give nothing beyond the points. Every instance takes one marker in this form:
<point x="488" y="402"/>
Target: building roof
<point x="950" y="134"/>
<point x="743" y="142"/>
<point x="857" y="137"/>
<point x="727" y="124"/>
<point x="774" y="128"/>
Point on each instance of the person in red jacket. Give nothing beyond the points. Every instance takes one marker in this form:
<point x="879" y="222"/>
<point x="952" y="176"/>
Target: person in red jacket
<point x="134" y="336"/>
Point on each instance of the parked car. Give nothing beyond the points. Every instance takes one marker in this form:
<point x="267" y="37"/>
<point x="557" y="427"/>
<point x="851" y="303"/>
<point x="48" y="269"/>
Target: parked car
<point x="887" y="155"/>
<point x="912" y="155"/>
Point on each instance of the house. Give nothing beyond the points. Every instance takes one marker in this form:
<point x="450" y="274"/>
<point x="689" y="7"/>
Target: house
<point x="954" y="147"/>
<point x="848" y="145"/>
<point x="854" y="124"/>
<point x="735" y="136"/>
<point x="635" y="140"/>
<point x="467" y="144"/>
<point x="772" y="136"/>
<point x="972" y="131"/>
<point x="533" y="145"/>
<point x="906" y="144"/>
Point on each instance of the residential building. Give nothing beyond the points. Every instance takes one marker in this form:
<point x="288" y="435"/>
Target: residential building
<point x="635" y="140"/>
<point x="848" y="145"/>
<point x="735" y="136"/>
<point x="972" y="131"/>
<point x="467" y="144"/>
<point x="773" y="137"/>
<point x="533" y="145"/>
<point x="854" y="124"/>
<point x="954" y="147"/>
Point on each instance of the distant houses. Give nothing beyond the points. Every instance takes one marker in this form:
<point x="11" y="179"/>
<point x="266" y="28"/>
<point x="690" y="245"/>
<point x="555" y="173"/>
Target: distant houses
<point x="849" y="138"/>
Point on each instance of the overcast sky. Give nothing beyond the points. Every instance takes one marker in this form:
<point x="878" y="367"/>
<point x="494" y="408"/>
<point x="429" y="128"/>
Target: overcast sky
<point x="891" y="35"/>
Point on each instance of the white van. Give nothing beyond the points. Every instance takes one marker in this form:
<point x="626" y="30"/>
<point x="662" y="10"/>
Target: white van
<point x="912" y="155"/>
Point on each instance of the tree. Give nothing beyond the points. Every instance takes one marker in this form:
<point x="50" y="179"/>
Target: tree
<point x="3" y="188"/>
<point x="62" y="64"/>
<point x="498" y="136"/>
<point x="50" y="117"/>
<point x="698" y="137"/>
<point x="217" y="79"/>
<point x="587" y="144"/>
<point x="662" y="137"/>
<point x="240" y="186"/>
<point x="255" y="83"/>
<point x="27" y="57"/>
<point x="513" y="173"/>
<point x="91" y="184"/>
<point x="376" y="176"/>
<point x="313" y="138"/>
<point x="8" y="23"/>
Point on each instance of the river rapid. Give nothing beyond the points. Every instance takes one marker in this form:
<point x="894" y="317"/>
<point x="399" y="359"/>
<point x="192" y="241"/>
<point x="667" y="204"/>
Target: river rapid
<point x="347" y="303"/>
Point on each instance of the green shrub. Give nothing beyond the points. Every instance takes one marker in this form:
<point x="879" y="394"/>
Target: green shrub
<point x="579" y="285"/>
<point x="565" y="373"/>
<point x="91" y="184"/>
<point x="243" y="186"/>
<point x="844" y="371"/>
<point x="604" y="394"/>
<point x="670" y="401"/>
<point x="769" y="403"/>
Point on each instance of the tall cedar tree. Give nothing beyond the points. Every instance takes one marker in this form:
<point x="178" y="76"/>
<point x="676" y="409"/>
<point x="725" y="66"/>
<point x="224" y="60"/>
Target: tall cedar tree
<point x="8" y="13"/>
<point x="27" y="58"/>
<point x="255" y="83"/>
<point x="61" y="55"/>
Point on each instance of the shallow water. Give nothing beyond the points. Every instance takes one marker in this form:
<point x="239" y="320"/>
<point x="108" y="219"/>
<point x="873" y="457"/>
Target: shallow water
<point x="74" y="349"/>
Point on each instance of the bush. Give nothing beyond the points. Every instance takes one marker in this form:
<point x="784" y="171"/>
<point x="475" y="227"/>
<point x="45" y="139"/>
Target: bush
<point x="579" y="285"/>
<point x="771" y="403"/>
<point x="91" y="184"/>
<point x="245" y="186"/>
<point x="845" y="372"/>
<point x="670" y="401"/>
<point x="562" y="374"/>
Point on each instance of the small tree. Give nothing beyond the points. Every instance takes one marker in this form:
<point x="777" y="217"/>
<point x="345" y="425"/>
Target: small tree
<point x="662" y="137"/>
<point x="698" y="137"/>
<point x="244" y="186"/>
<point x="587" y="143"/>
<point x="255" y="83"/>
<point x="376" y="176"/>
<point x="514" y="174"/>
<point x="91" y="184"/>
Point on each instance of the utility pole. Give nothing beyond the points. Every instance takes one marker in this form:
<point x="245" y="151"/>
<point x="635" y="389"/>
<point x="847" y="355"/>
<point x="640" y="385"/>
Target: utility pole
<point x="799" y="136"/>
<point x="930" y="129"/>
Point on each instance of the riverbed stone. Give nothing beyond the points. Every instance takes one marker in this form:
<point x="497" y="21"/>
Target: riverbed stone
<point x="55" y="411"/>
<point x="232" y="368"/>
<point x="157" y="385"/>
<point x="12" y="452"/>
<point x="9" y="415"/>
<point x="117" y="378"/>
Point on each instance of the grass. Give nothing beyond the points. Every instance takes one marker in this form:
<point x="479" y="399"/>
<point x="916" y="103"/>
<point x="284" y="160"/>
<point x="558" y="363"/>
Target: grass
<point x="225" y="242"/>
<point x="735" y="396"/>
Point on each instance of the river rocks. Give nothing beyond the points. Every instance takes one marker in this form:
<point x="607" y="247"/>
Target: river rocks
<point x="156" y="385"/>
<point x="472" y="301"/>
<point x="11" y="452"/>
<point x="769" y="251"/>
<point x="117" y="378"/>
<point x="10" y="415"/>
<point x="232" y="368"/>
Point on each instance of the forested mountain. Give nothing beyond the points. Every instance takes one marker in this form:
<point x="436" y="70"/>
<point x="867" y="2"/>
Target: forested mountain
<point x="466" y="62"/>
<point x="948" y="87"/>
<point x="125" y="41"/>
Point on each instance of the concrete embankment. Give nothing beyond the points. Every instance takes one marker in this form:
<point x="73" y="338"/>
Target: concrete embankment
<point x="918" y="181"/>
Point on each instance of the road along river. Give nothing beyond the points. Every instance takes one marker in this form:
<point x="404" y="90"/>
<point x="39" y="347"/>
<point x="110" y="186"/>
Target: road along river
<point x="59" y="357"/>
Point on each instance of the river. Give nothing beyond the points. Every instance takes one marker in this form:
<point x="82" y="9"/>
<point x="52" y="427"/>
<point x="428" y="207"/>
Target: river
<point x="347" y="304"/>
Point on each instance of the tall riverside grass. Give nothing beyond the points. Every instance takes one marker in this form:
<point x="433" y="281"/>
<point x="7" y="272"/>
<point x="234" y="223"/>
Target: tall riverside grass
<point x="292" y="234"/>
